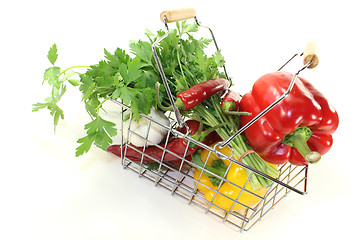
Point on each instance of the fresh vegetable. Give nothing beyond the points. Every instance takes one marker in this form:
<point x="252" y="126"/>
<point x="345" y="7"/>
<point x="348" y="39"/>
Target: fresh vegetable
<point x="132" y="81"/>
<point x="175" y="149"/>
<point x="231" y="103"/>
<point x="199" y="92"/>
<point x="196" y="130"/>
<point x="299" y="129"/>
<point x="57" y="79"/>
<point x="191" y="70"/>
<point x="237" y="192"/>
<point x="144" y="132"/>
<point x="212" y="115"/>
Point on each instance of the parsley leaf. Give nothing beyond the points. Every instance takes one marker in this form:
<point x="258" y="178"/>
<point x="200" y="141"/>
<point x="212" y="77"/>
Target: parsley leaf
<point x="99" y="132"/>
<point x="142" y="50"/>
<point x="131" y="72"/>
<point x="51" y="104"/>
<point x="139" y="100"/>
<point x="119" y="77"/>
<point x="57" y="79"/>
<point x="51" y="75"/>
<point x="52" y="54"/>
<point x="55" y="110"/>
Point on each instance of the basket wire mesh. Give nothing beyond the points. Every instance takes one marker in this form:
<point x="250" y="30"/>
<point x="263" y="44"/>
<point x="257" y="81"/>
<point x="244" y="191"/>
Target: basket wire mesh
<point x="179" y="179"/>
<point x="178" y="176"/>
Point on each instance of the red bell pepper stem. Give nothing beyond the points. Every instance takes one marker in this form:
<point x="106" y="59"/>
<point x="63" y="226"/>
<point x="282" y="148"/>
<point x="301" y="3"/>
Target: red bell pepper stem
<point x="200" y="92"/>
<point x="300" y="144"/>
<point x="298" y="139"/>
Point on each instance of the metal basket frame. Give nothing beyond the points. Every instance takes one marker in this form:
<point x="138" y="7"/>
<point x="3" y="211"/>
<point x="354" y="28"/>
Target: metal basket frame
<point x="180" y="181"/>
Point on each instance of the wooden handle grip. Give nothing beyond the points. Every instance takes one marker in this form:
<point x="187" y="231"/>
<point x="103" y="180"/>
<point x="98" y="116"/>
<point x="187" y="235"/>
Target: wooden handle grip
<point x="311" y="54"/>
<point x="180" y="14"/>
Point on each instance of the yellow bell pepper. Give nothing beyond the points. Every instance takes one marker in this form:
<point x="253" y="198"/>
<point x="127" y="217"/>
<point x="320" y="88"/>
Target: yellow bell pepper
<point x="236" y="174"/>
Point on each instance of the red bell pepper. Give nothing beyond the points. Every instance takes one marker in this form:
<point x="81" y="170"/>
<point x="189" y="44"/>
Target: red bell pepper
<point x="299" y="129"/>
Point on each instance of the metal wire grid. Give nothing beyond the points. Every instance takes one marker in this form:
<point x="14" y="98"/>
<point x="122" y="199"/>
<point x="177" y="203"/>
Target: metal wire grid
<point x="179" y="180"/>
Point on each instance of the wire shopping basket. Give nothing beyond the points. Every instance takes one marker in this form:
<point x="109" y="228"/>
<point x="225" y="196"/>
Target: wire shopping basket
<point x="178" y="176"/>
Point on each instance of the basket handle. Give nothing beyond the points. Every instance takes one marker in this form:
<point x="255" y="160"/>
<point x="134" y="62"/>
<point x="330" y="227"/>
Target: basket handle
<point x="175" y="15"/>
<point x="310" y="60"/>
<point x="167" y="17"/>
<point x="311" y="54"/>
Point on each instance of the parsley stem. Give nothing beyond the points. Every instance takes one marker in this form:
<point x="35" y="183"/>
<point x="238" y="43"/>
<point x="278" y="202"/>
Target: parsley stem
<point x="77" y="66"/>
<point x="160" y="105"/>
<point x="100" y="105"/>
<point x="180" y="65"/>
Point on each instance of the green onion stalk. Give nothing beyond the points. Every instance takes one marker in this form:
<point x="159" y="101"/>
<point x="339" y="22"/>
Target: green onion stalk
<point x="238" y="144"/>
<point x="191" y="67"/>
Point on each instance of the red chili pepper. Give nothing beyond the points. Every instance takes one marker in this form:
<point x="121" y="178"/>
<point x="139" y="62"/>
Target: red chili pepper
<point x="176" y="147"/>
<point x="200" y="92"/>
<point x="179" y="163"/>
<point x="230" y="104"/>
<point x="303" y="122"/>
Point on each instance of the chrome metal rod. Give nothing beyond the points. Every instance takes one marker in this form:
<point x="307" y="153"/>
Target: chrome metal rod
<point x="216" y="45"/>
<point x="226" y="142"/>
<point x="163" y="77"/>
<point x="204" y="146"/>
<point x="271" y="106"/>
<point x="288" y="61"/>
<point x="223" y="156"/>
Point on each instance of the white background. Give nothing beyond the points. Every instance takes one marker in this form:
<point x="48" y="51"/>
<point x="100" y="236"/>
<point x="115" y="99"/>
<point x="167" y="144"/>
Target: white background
<point x="48" y="193"/>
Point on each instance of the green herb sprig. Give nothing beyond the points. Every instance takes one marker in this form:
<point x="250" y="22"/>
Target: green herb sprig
<point x="133" y="80"/>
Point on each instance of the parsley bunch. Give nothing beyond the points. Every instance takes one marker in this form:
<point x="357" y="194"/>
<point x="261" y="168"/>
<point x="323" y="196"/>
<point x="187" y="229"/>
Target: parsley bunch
<point x="131" y="79"/>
